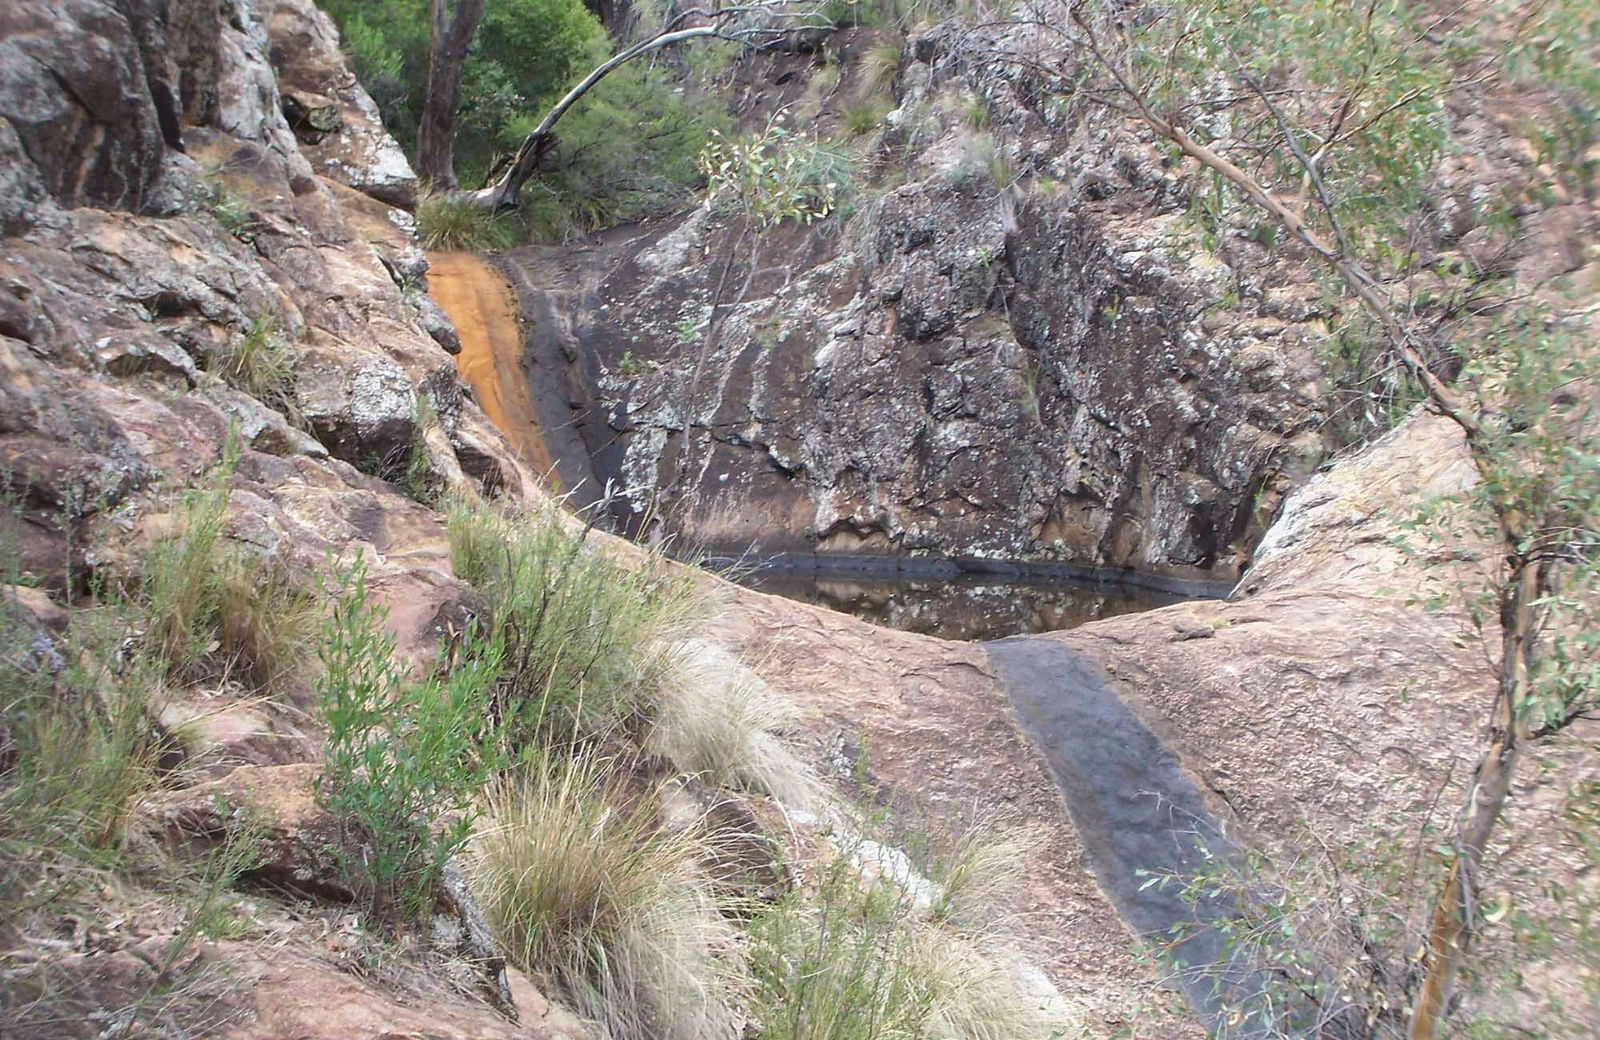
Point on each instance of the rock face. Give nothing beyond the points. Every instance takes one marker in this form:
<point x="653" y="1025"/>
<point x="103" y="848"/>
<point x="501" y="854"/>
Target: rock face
<point x="1017" y="352"/>
<point x="199" y="247"/>
<point x="1325" y="698"/>
<point x="162" y="216"/>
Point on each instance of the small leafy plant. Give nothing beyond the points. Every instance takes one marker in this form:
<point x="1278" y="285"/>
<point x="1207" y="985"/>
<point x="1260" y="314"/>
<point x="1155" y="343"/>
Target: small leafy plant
<point x="773" y="176"/>
<point x="404" y="762"/>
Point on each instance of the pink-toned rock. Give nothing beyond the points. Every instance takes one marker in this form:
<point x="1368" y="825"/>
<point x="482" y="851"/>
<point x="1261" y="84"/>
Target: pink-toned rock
<point x="294" y="993"/>
<point x="299" y="839"/>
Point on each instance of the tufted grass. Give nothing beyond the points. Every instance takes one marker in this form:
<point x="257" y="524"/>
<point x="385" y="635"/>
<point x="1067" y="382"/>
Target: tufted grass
<point x="861" y="956"/>
<point x="589" y="637"/>
<point x="718" y="721"/>
<point x="208" y="610"/>
<point x="78" y="746"/>
<point x="863" y="117"/>
<point x="858" y="957"/>
<point x="450" y="223"/>
<point x="589" y="894"/>
<point x="880" y="67"/>
<point x="260" y="362"/>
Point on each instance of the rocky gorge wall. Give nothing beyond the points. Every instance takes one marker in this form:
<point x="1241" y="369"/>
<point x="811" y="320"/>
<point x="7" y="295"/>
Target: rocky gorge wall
<point x="174" y="176"/>
<point x="1047" y="366"/>
<point x="181" y="182"/>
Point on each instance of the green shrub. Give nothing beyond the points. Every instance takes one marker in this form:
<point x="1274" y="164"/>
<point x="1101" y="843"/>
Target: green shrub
<point x="404" y="762"/>
<point x="776" y="175"/>
<point x="228" y="209"/>
<point x="587" y="636"/>
<point x="589" y="894"/>
<point x="628" y="150"/>
<point x="453" y="223"/>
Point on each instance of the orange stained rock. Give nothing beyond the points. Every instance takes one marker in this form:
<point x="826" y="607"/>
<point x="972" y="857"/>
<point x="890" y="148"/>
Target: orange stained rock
<point x="484" y="311"/>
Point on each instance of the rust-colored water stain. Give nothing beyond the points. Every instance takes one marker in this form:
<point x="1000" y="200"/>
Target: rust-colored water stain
<point x="484" y="310"/>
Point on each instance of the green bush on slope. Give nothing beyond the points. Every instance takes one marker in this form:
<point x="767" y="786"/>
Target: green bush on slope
<point x="401" y="756"/>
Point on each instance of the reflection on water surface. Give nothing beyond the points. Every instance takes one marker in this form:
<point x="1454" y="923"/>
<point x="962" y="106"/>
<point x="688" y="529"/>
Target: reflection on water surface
<point x="966" y="606"/>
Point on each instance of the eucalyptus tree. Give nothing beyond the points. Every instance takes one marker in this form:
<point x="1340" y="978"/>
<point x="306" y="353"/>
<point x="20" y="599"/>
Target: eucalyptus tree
<point x="761" y="24"/>
<point x="451" y="29"/>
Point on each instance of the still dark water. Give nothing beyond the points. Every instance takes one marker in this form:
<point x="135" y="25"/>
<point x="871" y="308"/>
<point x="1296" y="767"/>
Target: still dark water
<point x="964" y="606"/>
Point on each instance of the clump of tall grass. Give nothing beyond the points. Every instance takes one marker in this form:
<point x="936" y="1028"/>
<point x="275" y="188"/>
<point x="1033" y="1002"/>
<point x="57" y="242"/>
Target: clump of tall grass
<point x="260" y="362"/>
<point x="588" y="637"/>
<point x="591" y="895"/>
<point x="880" y="66"/>
<point x="208" y="609"/>
<point x="719" y="721"/>
<point x="445" y="222"/>
<point x="978" y="875"/>
<point x="859" y="957"/>
<point x="76" y="742"/>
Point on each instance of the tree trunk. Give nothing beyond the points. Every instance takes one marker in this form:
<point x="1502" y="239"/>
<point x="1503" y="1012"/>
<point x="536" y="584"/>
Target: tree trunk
<point x="1451" y="930"/>
<point x="447" y="60"/>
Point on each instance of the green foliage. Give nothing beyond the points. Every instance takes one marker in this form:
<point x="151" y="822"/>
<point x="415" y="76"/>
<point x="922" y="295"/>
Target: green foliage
<point x="445" y="222"/>
<point x="1220" y="65"/>
<point x="378" y="51"/>
<point x="1322" y="929"/>
<point x="404" y="762"/>
<point x="628" y="150"/>
<point x="589" y="893"/>
<point x="1539" y="458"/>
<point x="775" y="176"/>
<point x="587" y="637"/>
<point x="631" y="366"/>
<point x="260" y="362"/>
<point x="228" y="209"/>
<point x="525" y="53"/>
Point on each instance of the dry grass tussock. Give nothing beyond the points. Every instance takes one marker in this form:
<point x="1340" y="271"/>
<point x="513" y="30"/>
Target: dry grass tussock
<point x="719" y="721"/>
<point x="858" y="954"/>
<point x="207" y="609"/>
<point x="590" y="894"/>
